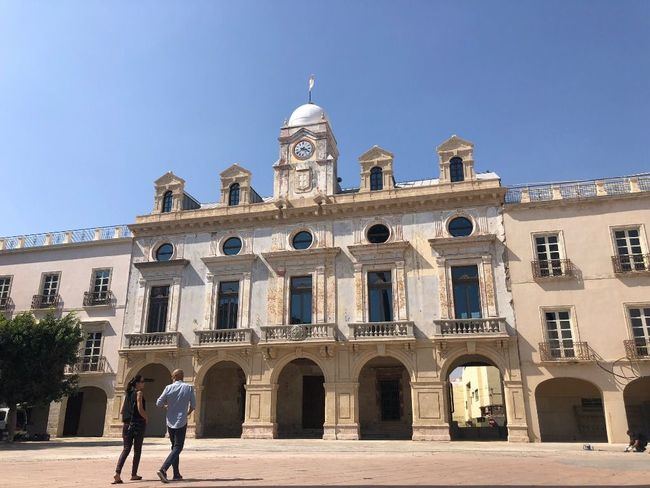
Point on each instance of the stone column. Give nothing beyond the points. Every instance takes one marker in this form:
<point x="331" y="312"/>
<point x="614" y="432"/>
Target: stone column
<point x="359" y="291"/>
<point x="259" y="421"/>
<point x="56" y="418"/>
<point x="400" y="295"/>
<point x="342" y="411"/>
<point x="430" y="409"/>
<point x="615" y="416"/>
<point x="513" y="392"/>
<point x="195" y="421"/>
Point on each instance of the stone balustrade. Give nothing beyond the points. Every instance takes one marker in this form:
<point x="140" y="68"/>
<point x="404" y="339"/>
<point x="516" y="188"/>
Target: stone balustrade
<point x="65" y="237"/>
<point x="450" y="328"/>
<point x="223" y="337"/>
<point x="298" y="332"/>
<point x="381" y="330"/>
<point x="152" y="340"/>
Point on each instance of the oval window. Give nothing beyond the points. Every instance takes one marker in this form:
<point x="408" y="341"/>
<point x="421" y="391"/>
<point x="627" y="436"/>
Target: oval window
<point x="232" y="246"/>
<point x="302" y="240"/>
<point x="165" y="252"/>
<point x="460" y="227"/>
<point x="378" y="233"/>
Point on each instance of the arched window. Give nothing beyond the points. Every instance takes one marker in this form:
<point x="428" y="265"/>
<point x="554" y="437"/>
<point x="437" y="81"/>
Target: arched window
<point x="456" y="169"/>
<point x="168" y="200"/>
<point x="376" y="179"/>
<point x="233" y="195"/>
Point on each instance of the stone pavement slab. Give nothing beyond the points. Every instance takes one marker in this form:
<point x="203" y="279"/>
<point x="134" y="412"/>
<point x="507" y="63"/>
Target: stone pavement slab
<point x="236" y="462"/>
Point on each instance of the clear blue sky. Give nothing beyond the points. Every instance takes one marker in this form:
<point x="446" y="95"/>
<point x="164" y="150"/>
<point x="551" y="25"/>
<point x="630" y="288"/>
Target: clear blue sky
<point x="98" y="99"/>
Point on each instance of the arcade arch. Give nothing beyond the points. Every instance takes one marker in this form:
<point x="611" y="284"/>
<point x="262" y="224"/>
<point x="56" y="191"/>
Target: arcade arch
<point x="223" y="400"/>
<point x="85" y="412"/>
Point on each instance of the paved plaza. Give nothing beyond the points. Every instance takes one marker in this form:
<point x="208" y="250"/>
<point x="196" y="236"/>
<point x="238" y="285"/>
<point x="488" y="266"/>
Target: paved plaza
<point x="87" y="462"/>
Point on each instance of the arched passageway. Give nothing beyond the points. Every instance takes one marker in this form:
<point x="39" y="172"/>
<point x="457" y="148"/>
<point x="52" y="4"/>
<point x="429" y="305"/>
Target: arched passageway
<point x="385" y="410"/>
<point x="223" y="400"/>
<point x="477" y="409"/>
<point x="570" y="410"/>
<point x="85" y="413"/>
<point x="637" y="405"/>
<point x="156" y="377"/>
<point x="301" y="400"/>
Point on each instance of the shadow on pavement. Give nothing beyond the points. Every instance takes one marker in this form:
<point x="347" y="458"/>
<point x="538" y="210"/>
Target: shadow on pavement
<point x="18" y="446"/>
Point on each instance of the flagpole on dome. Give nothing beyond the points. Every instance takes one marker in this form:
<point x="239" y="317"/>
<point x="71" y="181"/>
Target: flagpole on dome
<point x="312" y="80"/>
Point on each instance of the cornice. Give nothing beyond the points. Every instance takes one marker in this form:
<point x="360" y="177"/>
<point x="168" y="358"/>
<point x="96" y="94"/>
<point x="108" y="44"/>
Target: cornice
<point x="442" y="242"/>
<point x="319" y="253"/>
<point x="240" y="259"/>
<point x="171" y="265"/>
<point x="366" y="253"/>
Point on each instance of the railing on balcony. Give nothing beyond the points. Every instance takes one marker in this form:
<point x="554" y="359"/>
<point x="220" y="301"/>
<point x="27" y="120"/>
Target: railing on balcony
<point x="565" y="350"/>
<point x="381" y="330"/>
<point x="638" y="348"/>
<point x="299" y="332"/>
<point x="470" y="327"/>
<point x="152" y="340"/>
<point x="97" y="298"/>
<point x="88" y="364"/>
<point x="5" y="303"/>
<point x="45" y="301"/>
<point x="65" y="237"/>
<point x="223" y="337"/>
<point x="552" y="268"/>
<point x="631" y="263"/>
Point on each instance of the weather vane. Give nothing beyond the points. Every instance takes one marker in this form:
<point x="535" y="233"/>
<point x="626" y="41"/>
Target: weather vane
<point x="312" y="80"/>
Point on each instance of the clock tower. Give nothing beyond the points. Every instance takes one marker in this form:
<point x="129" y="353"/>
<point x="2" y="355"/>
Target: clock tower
<point x="308" y="156"/>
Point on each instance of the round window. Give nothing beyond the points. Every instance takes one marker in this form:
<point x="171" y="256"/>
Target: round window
<point x="232" y="246"/>
<point x="378" y="233"/>
<point x="165" y="252"/>
<point x="460" y="227"/>
<point x="302" y="240"/>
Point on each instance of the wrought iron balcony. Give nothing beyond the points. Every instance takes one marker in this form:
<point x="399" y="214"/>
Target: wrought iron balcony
<point x="569" y="351"/>
<point x="89" y="364"/>
<point x="40" y="302"/>
<point x="299" y="332"/>
<point x="552" y="268"/>
<point x="631" y="263"/>
<point x="464" y="328"/>
<point x="223" y="337"/>
<point x="98" y="298"/>
<point x="638" y="348"/>
<point x="152" y="340"/>
<point x="5" y="303"/>
<point x="381" y="330"/>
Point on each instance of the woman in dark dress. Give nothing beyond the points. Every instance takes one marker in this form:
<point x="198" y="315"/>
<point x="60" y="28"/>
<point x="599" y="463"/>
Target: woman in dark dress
<point x="134" y="419"/>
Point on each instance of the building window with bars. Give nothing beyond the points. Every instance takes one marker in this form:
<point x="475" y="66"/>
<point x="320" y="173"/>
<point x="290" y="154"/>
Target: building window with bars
<point x="5" y="287"/>
<point x="456" y="172"/>
<point x="227" y="305"/>
<point x="50" y="289"/>
<point x="300" y="300"/>
<point x="380" y="296"/>
<point x="640" y="324"/>
<point x="549" y="259"/>
<point x="100" y="288"/>
<point x="168" y="201"/>
<point x="559" y="334"/>
<point x="233" y="195"/>
<point x="376" y="179"/>
<point x="158" y="304"/>
<point x="92" y="351"/>
<point x="629" y="251"/>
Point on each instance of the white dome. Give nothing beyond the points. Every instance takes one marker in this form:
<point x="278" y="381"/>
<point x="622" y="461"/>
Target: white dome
<point x="306" y="114"/>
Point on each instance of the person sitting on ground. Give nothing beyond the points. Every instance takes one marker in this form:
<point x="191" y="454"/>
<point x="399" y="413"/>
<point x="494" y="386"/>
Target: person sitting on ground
<point x="638" y="442"/>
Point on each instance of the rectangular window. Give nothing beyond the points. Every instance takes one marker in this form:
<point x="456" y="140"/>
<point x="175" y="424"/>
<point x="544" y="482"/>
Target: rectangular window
<point x="101" y="281"/>
<point x="547" y="248"/>
<point x="228" y="305"/>
<point x="158" y="303"/>
<point x="380" y="296"/>
<point x="92" y="352"/>
<point x="640" y="323"/>
<point x="50" y="288"/>
<point x="628" y="249"/>
<point x="5" y="286"/>
<point x="467" y="295"/>
<point x="559" y="333"/>
<point x="300" y="300"/>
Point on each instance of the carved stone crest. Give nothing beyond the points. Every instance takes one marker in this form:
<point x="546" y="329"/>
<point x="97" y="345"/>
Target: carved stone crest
<point x="297" y="333"/>
<point x="303" y="179"/>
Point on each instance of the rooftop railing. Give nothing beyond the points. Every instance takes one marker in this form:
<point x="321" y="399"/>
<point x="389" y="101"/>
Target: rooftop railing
<point x="578" y="189"/>
<point x="65" y="237"/>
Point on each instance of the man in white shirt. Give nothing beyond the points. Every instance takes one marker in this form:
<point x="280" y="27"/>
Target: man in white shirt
<point x="176" y="398"/>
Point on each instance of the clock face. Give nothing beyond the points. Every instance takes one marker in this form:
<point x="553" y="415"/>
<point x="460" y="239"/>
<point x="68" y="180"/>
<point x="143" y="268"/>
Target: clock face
<point x="303" y="149"/>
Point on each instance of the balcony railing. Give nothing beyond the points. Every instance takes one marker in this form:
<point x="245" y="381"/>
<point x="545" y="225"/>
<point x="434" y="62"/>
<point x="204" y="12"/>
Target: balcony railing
<point x="88" y="364"/>
<point x="381" y="330"/>
<point x="631" y="263"/>
<point x="638" y="348"/>
<point x="65" y="237"/>
<point x="223" y="337"/>
<point x="45" y="301"/>
<point x="488" y="327"/>
<point x="299" y="332"/>
<point x="152" y="340"/>
<point x="5" y="303"/>
<point x="565" y="350"/>
<point x="97" y="298"/>
<point x="553" y="268"/>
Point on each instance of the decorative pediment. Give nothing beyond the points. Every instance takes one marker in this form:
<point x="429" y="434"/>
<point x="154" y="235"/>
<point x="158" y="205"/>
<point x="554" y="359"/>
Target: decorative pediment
<point x="388" y="252"/>
<point x="472" y="245"/>
<point x="241" y="263"/>
<point x="169" y="179"/>
<point x="375" y="153"/>
<point x="235" y="171"/>
<point x="162" y="269"/>
<point x="281" y="260"/>
<point x="453" y="143"/>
